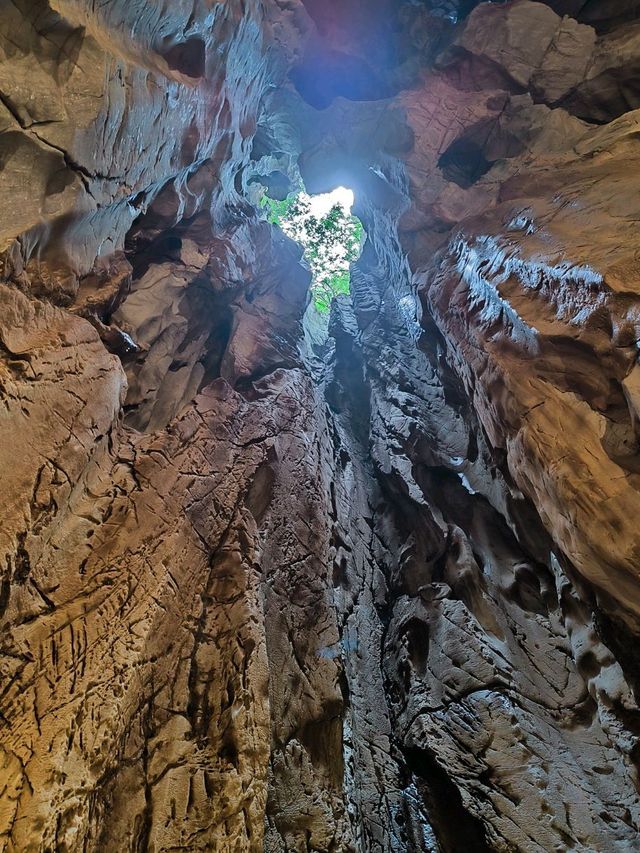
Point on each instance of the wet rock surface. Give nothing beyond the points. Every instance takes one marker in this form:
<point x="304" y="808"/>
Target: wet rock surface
<point x="272" y="584"/>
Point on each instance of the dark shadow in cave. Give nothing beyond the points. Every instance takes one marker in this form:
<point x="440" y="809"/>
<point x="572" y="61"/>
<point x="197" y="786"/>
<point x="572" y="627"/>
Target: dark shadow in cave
<point x="464" y="163"/>
<point x="187" y="57"/>
<point x="324" y="76"/>
<point x="456" y="829"/>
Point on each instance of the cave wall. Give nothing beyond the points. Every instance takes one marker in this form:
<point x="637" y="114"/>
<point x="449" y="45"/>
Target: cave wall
<point x="271" y="587"/>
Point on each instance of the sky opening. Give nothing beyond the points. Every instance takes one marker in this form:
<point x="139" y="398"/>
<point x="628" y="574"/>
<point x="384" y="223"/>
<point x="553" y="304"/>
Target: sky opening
<point x="322" y="204"/>
<point x="329" y="233"/>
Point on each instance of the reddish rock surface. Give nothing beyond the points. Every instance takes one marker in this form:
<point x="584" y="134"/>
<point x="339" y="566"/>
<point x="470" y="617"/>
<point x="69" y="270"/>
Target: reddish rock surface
<point x="272" y="584"/>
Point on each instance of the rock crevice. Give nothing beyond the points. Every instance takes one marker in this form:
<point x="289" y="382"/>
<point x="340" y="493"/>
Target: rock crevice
<point x="274" y="583"/>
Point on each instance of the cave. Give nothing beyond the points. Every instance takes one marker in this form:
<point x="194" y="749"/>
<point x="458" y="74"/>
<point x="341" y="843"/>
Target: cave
<point x="358" y="574"/>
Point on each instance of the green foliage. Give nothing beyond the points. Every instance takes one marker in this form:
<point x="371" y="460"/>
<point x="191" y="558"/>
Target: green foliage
<point x="277" y="211"/>
<point x="331" y="243"/>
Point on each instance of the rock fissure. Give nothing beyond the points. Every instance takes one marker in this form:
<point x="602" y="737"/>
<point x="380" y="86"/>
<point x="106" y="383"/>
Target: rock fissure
<point x="276" y="583"/>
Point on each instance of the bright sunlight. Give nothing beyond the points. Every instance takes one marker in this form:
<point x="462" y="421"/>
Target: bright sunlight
<point x="330" y="234"/>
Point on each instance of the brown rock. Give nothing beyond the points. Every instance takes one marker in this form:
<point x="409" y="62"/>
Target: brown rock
<point x="276" y="581"/>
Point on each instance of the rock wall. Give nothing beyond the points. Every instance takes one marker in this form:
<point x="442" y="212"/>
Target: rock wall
<point x="268" y="586"/>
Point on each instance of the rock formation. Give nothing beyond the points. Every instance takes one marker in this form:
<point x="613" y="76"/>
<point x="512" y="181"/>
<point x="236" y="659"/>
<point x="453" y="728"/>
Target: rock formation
<point x="266" y="586"/>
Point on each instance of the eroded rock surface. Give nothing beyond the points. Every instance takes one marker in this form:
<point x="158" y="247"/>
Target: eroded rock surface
<point x="277" y="582"/>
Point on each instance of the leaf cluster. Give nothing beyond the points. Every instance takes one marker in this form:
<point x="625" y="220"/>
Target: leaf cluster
<point x="331" y="243"/>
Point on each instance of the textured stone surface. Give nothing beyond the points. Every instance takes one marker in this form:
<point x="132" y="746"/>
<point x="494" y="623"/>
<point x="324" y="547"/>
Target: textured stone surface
<point x="272" y="584"/>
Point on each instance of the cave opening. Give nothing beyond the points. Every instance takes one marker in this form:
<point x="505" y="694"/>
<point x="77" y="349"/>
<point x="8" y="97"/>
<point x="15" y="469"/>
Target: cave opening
<point x="330" y="234"/>
<point x="319" y="527"/>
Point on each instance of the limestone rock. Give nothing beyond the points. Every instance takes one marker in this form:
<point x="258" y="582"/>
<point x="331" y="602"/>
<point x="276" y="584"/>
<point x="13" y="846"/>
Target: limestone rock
<point x="277" y="581"/>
